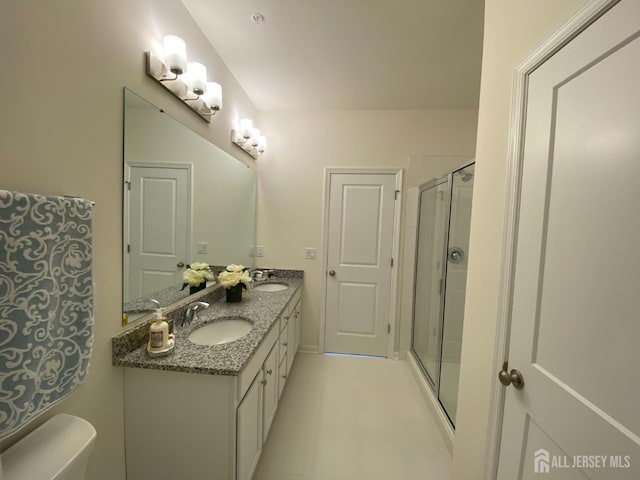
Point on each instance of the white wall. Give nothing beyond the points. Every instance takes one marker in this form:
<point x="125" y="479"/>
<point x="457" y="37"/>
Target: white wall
<point x="512" y="30"/>
<point x="291" y="176"/>
<point x="65" y="65"/>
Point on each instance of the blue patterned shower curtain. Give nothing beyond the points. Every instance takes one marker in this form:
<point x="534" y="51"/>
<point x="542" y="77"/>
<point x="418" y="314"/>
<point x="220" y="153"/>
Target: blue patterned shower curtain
<point x="46" y="302"/>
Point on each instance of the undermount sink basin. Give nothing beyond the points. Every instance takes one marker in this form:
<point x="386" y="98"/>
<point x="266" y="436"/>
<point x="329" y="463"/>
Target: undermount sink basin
<point x="271" y="287"/>
<point x="221" y="331"/>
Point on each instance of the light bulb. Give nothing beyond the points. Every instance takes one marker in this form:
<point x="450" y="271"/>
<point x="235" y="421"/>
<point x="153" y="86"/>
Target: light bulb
<point x="213" y="96"/>
<point x="175" y="54"/>
<point x="255" y="137"/>
<point x="197" y="78"/>
<point x="262" y="144"/>
<point x="246" y="125"/>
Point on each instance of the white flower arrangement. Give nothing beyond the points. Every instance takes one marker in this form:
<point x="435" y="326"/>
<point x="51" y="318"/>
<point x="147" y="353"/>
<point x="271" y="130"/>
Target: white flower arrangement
<point x="234" y="275"/>
<point x="197" y="273"/>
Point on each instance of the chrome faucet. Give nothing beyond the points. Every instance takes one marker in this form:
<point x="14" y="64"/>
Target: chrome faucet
<point x="190" y="314"/>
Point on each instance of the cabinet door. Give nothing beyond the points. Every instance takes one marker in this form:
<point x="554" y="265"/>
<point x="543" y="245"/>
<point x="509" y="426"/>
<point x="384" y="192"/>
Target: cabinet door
<point x="249" y="430"/>
<point x="297" y="314"/>
<point x="282" y="374"/>
<point x="291" y="341"/>
<point x="271" y="392"/>
<point x="284" y="341"/>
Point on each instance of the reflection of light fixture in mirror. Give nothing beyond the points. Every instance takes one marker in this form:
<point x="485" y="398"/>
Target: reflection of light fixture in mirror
<point x="249" y="138"/>
<point x="184" y="80"/>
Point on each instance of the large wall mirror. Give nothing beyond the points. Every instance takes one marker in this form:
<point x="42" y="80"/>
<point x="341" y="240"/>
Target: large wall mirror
<point x="185" y="200"/>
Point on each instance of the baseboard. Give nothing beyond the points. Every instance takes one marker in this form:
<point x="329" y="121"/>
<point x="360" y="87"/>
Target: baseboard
<point x="309" y="349"/>
<point x="432" y="402"/>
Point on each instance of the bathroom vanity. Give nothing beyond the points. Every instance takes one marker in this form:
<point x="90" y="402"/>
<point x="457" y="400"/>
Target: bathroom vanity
<point x="204" y="411"/>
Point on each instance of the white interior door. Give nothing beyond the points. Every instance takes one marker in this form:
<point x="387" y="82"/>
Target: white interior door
<point x="159" y="222"/>
<point x="574" y="318"/>
<point x="359" y="253"/>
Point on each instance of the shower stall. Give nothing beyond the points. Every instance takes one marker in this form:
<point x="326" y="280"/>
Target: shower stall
<point x="442" y="252"/>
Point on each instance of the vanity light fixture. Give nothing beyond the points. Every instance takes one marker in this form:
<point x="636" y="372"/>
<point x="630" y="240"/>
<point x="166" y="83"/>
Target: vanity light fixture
<point x="249" y="139"/>
<point x="187" y="81"/>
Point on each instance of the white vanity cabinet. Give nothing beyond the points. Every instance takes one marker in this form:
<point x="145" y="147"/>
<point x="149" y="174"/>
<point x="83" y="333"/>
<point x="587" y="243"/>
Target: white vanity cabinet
<point x="249" y="429"/>
<point x="207" y="427"/>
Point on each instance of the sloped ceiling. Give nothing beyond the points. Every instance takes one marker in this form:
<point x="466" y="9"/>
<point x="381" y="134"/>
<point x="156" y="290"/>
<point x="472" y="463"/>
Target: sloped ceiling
<point x="349" y="54"/>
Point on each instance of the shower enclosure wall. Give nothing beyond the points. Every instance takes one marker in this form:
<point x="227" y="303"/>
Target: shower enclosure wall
<point x="442" y="252"/>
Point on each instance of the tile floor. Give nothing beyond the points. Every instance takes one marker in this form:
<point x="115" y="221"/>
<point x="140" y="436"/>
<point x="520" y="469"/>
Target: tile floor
<point x="352" y="418"/>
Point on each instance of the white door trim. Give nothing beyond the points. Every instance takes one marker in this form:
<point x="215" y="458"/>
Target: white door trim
<point x="395" y="249"/>
<point x="579" y="22"/>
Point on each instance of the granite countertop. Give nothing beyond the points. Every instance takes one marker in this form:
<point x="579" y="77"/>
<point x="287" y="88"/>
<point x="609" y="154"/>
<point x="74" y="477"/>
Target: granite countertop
<point x="262" y="308"/>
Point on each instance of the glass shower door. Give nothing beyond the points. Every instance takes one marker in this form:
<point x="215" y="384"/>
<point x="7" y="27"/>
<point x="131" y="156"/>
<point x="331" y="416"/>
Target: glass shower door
<point x="429" y="277"/>
<point x="455" y="288"/>
<point x="440" y="282"/>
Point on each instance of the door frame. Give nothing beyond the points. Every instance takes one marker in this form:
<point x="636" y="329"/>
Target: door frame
<point x="328" y="171"/>
<point x="587" y="15"/>
<point x="126" y="205"/>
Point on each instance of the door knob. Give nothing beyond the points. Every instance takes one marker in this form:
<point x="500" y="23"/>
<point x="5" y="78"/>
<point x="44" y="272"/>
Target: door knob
<point x="514" y="377"/>
<point x="332" y="273"/>
<point x="180" y="264"/>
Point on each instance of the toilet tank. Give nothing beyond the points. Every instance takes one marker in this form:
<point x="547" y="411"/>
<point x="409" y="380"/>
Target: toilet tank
<point x="59" y="449"/>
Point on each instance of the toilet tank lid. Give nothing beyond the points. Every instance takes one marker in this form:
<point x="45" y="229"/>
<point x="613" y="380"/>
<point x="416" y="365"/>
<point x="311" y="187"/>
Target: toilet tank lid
<point x="49" y="449"/>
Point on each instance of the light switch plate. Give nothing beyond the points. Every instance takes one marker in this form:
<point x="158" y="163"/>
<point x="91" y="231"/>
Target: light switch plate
<point x="260" y="251"/>
<point x="202" y="247"/>
<point x="310" y="253"/>
<point x="252" y="250"/>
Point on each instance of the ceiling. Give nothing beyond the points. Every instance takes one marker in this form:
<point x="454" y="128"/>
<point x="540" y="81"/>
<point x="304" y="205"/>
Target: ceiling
<point x="349" y="54"/>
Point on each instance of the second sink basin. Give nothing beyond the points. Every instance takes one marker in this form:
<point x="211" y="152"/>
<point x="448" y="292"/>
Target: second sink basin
<point x="221" y="331"/>
<point x="271" y="287"/>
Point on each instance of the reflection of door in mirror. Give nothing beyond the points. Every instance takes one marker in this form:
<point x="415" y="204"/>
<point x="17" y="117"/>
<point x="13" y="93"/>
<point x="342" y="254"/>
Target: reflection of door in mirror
<point x="157" y="226"/>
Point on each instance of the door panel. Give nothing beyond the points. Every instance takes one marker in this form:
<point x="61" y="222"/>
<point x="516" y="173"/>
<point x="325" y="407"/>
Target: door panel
<point x="357" y="303"/>
<point x="574" y="326"/>
<point x="359" y="250"/>
<point x="361" y="222"/>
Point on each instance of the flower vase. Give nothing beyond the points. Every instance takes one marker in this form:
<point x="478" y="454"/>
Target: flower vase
<point x="197" y="288"/>
<point x="234" y="294"/>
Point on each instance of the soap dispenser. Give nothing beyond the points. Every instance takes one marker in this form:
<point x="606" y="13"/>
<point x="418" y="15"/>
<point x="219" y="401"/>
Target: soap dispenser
<point x="161" y="342"/>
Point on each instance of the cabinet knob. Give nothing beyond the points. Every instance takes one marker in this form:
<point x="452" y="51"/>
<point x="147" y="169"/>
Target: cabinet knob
<point x="269" y="372"/>
<point x="284" y="376"/>
<point x="263" y="382"/>
<point x="285" y="344"/>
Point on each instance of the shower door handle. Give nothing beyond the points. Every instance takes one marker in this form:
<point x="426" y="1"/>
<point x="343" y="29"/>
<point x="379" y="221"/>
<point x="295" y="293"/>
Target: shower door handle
<point x="514" y="377"/>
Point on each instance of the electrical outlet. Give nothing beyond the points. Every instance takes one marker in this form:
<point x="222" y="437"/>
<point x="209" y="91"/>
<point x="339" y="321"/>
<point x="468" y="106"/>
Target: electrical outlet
<point x="260" y="251"/>
<point x="310" y="253"/>
<point x="203" y="247"/>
